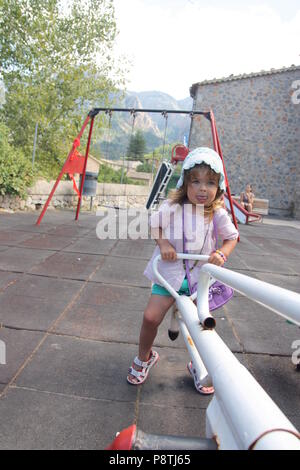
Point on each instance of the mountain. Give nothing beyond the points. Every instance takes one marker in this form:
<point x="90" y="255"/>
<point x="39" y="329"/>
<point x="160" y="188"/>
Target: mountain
<point x="153" y="125"/>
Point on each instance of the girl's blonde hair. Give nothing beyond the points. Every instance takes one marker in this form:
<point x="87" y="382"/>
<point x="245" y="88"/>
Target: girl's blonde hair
<point x="179" y="196"/>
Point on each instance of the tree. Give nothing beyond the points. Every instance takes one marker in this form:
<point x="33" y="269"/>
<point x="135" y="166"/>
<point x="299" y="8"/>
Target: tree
<point x="15" y="170"/>
<point x="161" y="152"/>
<point x="55" y="61"/>
<point x="137" y="147"/>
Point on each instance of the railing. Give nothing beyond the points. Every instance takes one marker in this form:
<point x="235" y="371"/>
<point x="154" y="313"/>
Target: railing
<point x="241" y="415"/>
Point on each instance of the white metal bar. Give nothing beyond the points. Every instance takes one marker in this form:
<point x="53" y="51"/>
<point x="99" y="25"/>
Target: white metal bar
<point x="246" y="408"/>
<point x="281" y="301"/>
<point x="202" y="373"/>
<point x="205" y="317"/>
<point x="241" y="412"/>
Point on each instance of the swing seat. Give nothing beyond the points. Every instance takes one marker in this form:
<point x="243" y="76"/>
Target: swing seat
<point x="179" y="152"/>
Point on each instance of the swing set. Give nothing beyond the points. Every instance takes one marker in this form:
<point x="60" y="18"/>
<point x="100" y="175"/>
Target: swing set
<point x="76" y="163"/>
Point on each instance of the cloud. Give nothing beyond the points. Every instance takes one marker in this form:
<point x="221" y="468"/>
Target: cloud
<point x="172" y="48"/>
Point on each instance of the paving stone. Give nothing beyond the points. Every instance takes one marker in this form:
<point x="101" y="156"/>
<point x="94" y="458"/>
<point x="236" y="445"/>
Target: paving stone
<point x="107" y="324"/>
<point x="49" y="289"/>
<point x="22" y="259"/>
<point x="13" y="237"/>
<point x="259" y="329"/>
<point x="68" y="265"/>
<point x="101" y="323"/>
<point x="16" y="219"/>
<point x="71" y="231"/>
<point x="46" y="242"/>
<point x="275" y="263"/>
<point x="27" y="312"/>
<point x="172" y="420"/>
<point x="245" y="245"/>
<point x="19" y="345"/>
<point x="93" y="235"/>
<point x="280" y="280"/>
<point x="282" y="387"/>
<point x="8" y="279"/>
<point x="235" y="261"/>
<point x="141" y="249"/>
<point x="7" y="221"/>
<point x="87" y="221"/>
<point x="106" y="295"/>
<point x="58" y="216"/>
<point x="273" y="246"/>
<point x="73" y="393"/>
<point x="224" y="330"/>
<point x="170" y="384"/>
<point x="122" y="271"/>
<point x="31" y="228"/>
<point x="88" y="245"/>
<point x="33" y="420"/>
<point x="85" y="368"/>
<point x="269" y="231"/>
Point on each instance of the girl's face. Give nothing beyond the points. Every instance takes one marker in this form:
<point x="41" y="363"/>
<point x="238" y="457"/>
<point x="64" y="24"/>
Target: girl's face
<point x="202" y="186"/>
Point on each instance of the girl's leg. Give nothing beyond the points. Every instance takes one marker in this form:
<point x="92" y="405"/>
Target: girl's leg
<point x="154" y="314"/>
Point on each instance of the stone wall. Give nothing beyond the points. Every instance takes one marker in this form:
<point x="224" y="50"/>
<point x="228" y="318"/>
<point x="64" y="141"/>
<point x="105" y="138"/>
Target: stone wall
<point x="112" y="195"/>
<point x="258" y="122"/>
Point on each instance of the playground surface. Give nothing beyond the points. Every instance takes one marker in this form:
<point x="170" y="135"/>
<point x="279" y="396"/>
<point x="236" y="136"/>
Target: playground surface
<point x="71" y="306"/>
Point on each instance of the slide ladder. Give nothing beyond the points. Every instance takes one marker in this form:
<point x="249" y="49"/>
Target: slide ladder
<point x="161" y="181"/>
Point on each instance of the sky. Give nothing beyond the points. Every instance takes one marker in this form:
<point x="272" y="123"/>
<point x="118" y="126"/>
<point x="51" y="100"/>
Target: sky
<point x="172" y="44"/>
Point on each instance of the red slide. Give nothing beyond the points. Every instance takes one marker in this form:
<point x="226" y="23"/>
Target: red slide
<point x="243" y="216"/>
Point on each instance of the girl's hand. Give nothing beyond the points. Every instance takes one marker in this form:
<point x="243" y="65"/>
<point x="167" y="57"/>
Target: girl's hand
<point x="167" y="251"/>
<point x="216" y="258"/>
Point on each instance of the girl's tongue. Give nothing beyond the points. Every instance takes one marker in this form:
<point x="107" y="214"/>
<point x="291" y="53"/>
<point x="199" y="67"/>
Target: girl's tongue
<point x="201" y="199"/>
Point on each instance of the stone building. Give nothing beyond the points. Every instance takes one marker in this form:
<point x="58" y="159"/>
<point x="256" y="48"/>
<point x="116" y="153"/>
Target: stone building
<point x="258" y="121"/>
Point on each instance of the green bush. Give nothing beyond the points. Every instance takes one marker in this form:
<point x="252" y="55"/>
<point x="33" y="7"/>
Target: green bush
<point x="109" y="175"/>
<point x="145" y="167"/>
<point x="15" y="170"/>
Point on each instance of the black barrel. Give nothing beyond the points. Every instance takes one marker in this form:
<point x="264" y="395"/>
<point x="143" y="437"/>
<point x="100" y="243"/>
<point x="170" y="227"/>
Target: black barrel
<point x="90" y="184"/>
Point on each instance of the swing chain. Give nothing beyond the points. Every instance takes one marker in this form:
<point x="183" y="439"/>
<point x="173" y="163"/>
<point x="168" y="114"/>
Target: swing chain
<point x="165" y="115"/>
<point x="133" y="113"/>
<point x="109" y="112"/>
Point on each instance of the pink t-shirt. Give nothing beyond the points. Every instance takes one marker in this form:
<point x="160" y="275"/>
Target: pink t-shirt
<point x="199" y="232"/>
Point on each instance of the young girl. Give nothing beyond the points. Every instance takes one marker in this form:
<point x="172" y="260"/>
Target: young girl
<point x="247" y="198"/>
<point x="201" y="186"/>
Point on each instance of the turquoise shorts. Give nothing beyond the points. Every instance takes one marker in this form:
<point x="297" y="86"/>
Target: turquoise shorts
<point x="159" y="290"/>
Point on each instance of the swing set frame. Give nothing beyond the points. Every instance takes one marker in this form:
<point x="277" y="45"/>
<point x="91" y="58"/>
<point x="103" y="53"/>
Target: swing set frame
<point x="77" y="163"/>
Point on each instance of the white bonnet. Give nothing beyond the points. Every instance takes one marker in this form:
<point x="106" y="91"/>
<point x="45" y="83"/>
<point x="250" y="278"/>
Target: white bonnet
<point x="203" y="155"/>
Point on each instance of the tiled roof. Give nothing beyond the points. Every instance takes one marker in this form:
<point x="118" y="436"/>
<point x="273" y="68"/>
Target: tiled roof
<point x="240" y="77"/>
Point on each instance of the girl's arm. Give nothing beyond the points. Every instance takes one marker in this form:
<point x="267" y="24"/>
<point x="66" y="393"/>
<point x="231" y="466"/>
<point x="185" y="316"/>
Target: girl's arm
<point x="227" y="248"/>
<point x="167" y="251"/>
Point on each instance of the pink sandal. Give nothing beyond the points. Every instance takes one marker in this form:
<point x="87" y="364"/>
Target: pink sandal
<point x="141" y="375"/>
<point x="200" y="388"/>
